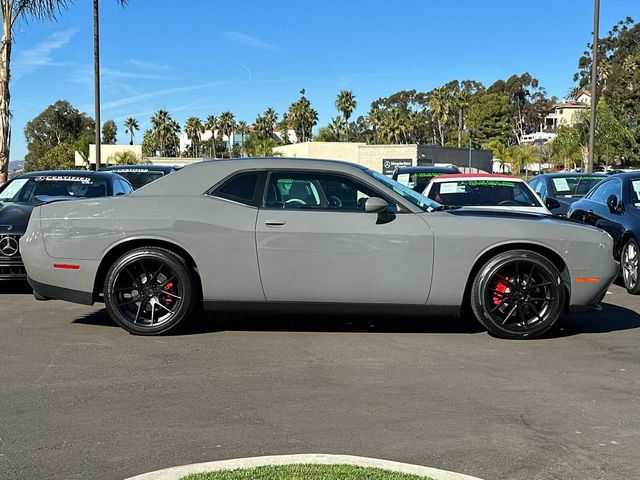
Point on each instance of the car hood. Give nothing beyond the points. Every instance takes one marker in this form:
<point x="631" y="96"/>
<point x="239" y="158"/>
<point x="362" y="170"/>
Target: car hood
<point x="518" y="215"/>
<point x="14" y="215"/>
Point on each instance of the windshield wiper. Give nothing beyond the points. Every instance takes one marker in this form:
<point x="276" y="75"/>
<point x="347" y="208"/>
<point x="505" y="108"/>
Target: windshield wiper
<point x="445" y="207"/>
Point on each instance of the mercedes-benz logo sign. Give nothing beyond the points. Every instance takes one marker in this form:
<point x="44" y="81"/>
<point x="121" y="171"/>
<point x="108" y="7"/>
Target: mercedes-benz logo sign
<point x="8" y="246"/>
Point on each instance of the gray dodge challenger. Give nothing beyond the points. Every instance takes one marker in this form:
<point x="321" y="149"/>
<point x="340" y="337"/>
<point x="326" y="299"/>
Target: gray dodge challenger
<point x="294" y="235"/>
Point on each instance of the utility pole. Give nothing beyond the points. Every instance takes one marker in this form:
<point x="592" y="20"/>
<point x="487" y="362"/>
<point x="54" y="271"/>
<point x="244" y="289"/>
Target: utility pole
<point x="471" y="131"/>
<point x="594" y="86"/>
<point x="96" y="69"/>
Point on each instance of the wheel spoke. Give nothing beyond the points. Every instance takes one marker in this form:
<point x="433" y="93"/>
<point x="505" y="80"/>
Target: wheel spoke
<point x="159" y="303"/>
<point x="169" y="279"/>
<point x="135" y="320"/>
<point x="543" y="284"/>
<point x="153" y="311"/>
<point x="135" y="280"/>
<point x="129" y="302"/>
<point x="499" y="304"/>
<point x="172" y="295"/>
<point x="510" y="313"/>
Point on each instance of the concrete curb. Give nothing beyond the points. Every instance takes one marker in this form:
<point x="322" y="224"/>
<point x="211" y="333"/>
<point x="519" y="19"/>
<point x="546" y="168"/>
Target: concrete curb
<point x="175" y="473"/>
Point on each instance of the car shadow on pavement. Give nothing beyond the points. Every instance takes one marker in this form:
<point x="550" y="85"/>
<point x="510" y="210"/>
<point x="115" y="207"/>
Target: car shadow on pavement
<point x="15" y="287"/>
<point x="611" y="318"/>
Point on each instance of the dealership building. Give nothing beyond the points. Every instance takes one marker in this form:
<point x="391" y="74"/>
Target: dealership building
<point x="385" y="158"/>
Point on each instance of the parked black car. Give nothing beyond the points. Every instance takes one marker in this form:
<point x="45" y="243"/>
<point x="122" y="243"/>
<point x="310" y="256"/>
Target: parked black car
<point x="419" y="177"/>
<point x="140" y="175"/>
<point x="20" y="195"/>
<point x="614" y="206"/>
<point x="559" y="190"/>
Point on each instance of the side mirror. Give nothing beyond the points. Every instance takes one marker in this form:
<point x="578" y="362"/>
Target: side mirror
<point x="551" y="203"/>
<point x="612" y="203"/>
<point x="375" y="205"/>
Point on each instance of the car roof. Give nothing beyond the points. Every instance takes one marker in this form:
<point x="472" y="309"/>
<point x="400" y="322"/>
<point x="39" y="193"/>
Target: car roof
<point x="476" y="176"/>
<point x="70" y="173"/>
<point x="626" y="175"/>
<point x="151" y="168"/>
<point x="569" y="174"/>
<point x="427" y="169"/>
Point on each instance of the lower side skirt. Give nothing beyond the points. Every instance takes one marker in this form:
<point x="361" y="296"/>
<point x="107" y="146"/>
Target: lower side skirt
<point x="42" y="291"/>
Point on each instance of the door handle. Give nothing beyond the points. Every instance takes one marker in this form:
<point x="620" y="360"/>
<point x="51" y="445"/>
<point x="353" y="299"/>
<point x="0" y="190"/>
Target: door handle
<point x="275" y="223"/>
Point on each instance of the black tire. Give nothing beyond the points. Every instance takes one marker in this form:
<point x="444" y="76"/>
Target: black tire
<point x="518" y="294"/>
<point x="630" y="265"/>
<point x="150" y="291"/>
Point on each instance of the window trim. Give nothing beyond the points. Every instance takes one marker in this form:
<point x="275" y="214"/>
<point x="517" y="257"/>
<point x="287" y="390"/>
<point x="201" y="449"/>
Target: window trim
<point x="257" y="197"/>
<point x="400" y="208"/>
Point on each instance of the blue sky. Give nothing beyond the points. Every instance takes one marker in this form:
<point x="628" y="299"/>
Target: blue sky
<point x="202" y="57"/>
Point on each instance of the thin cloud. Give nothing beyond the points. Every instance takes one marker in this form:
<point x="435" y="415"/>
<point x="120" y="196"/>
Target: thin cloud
<point x="248" y="41"/>
<point x="147" y="65"/>
<point x="40" y="55"/>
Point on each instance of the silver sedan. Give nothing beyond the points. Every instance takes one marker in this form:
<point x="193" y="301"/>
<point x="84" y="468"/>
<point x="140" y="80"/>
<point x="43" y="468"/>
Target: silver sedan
<point x="294" y="234"/>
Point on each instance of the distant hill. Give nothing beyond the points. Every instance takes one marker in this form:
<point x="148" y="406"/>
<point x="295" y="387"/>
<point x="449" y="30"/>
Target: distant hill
<point x="16" y="164"/>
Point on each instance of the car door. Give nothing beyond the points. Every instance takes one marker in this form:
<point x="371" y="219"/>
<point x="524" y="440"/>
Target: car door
<point x="316" y="243"/>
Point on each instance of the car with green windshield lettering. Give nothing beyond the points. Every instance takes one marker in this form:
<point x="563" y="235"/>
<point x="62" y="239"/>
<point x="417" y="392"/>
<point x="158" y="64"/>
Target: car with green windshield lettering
<point x="419" y="177"/>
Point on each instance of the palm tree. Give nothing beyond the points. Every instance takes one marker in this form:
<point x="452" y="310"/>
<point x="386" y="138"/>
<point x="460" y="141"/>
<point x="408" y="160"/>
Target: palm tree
<point x="212" y="124"/>
<point x="270" y="120"/>
<point x="162" y="125"/>
<point x="131" y="127"/>
<point x="96" y="62"/>
<point x="346" y="104"/>
<point x="227" y="126"/>
<point x="242" y="128"/>
<point x="193" y="128"/>
<point x="440" y="106"/>
<point x="13" y="11"/>
<point x="338" y="126"/>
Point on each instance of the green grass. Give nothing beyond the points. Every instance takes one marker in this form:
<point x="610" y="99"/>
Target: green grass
<point x="304" y="472"/>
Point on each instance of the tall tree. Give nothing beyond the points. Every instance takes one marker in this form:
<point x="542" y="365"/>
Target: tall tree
<point x="131" y="127"/>
<point x="490" y="116"/>
<point x="346" y="103"/>
<point x="302" y="117"/>
<point x="59" y="123"/>
<point x="96" y="66"/>
<point x="227" y="126"/>
<point x="440" y="101"/>
<point x="193" y="128"/>
<point x="243" y="129"/>
<point x="12" y="12"/>
<point x="212" y="125"/>
<point x="109" y="132"/>
<point x="163" y="129"/>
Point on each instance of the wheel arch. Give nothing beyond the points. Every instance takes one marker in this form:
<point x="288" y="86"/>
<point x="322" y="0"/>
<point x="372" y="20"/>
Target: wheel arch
<point x="551" y="255"/>
<point x="617" y="254"/>
<point x="121" y="248"/>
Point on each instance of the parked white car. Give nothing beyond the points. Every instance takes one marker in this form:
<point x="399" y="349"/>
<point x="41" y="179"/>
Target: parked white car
<point x="489" y="191"/>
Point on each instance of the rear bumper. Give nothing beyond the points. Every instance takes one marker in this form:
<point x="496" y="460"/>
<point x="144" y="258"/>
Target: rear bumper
<point x="43" y="291"/>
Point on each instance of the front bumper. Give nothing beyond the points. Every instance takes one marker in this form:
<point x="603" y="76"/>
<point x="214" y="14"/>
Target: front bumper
<point x="11" y="265"/>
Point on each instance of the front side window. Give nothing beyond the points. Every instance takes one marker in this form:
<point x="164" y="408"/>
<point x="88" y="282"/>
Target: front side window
<point x="317" y="191"/>
<point x="140" y="178"/>
<point x="635" y="192"/>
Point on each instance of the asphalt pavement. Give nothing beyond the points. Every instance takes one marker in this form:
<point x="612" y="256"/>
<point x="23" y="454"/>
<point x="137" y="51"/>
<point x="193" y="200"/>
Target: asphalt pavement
<point x="82" y="399"/>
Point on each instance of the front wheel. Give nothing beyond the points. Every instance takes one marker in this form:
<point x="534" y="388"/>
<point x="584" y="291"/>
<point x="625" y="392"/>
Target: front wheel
<point x="518" y="295"/>
<point x="630" y="264"/>
<point x="149" y="291"/>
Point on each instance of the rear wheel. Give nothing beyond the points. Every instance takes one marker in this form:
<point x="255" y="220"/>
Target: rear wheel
<point x="630" y="263"/>
<point x="149" y="291"/>
<point x="518" y="295"/>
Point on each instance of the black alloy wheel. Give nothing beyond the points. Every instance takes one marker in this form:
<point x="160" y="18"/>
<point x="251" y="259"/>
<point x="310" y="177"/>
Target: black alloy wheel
<point x="518" y="295"/>
<point x="630" y="262"/>
<point x="149" y="291"/>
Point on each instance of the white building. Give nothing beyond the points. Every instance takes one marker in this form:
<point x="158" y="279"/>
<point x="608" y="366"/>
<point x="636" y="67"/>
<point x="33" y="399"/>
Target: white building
<point x="235" y="138"/>
<point x="106" y="151"/>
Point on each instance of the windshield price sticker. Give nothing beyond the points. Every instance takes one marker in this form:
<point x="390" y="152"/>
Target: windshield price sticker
<point x="561" y="185"/>
<point x="13" y="188"/>
<point x="64" y="178"/>
<point x="452" y="187"/>
<point x="131" y="170"/>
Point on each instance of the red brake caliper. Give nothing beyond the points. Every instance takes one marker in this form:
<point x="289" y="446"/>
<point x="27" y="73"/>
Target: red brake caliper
<point x="168" y="299"/>
<point x="501" y="289"/>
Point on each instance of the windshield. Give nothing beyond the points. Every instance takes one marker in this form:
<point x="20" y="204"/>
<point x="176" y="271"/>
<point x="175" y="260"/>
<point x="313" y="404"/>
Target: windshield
<point x="486" y="193"/>
<point x="577" y="186"/>
<point x="26" y="189"/>
<point x="418" y="181"/>
<point x="139" y="178"/>
<point x="408" y="194"/>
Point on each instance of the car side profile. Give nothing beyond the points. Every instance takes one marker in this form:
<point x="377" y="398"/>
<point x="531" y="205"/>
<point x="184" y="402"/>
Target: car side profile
<point x="614" y="206"/>
<point x="19" y="196"/>
<point x="297" y="234"/>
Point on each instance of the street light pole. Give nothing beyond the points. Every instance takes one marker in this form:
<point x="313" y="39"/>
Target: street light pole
<point x="470" y="130"/>
<point x="96" y="68"/>
<point x="594" y="86"/>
